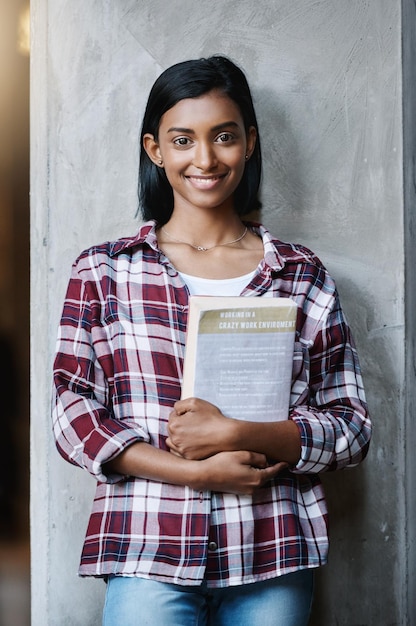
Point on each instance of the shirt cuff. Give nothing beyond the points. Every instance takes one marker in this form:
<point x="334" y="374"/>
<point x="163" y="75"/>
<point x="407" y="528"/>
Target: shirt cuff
<point x="317" y="442"/>
<point x="110" y="450"/>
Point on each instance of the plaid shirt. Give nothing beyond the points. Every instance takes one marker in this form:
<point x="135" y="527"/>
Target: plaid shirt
<point x="117" y="374"/>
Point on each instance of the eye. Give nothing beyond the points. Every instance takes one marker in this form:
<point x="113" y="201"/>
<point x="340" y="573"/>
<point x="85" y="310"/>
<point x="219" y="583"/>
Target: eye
<point x="225" y="137"/>
<point x="182" y="141"/>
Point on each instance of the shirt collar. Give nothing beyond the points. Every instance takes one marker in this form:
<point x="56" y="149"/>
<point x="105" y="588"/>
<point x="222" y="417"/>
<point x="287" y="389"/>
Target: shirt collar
<point x="146" y="235"/>
<point x="272" y="257"/>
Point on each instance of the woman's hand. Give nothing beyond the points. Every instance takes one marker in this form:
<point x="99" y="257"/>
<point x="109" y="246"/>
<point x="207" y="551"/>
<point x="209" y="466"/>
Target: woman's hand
<point x="240" y="472"/>
<point x="197" y="429"/>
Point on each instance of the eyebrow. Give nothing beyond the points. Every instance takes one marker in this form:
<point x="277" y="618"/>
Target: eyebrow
<point x="190" y="131"/>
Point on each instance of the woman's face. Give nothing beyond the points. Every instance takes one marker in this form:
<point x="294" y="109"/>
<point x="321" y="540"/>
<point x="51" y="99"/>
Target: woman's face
<point x="203" y="147"/>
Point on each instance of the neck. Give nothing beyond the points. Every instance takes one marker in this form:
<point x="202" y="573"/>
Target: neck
<point x="205" y="229"/>
<point x="204" y="248"/>
<point x="203" y="245"/>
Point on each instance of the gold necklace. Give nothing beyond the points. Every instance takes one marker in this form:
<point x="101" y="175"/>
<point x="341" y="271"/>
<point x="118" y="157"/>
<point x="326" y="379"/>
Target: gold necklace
<point x="202" y="248"/>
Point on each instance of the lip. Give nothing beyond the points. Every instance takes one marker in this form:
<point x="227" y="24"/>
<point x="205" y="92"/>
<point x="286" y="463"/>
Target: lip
<point x="205" y="182"/>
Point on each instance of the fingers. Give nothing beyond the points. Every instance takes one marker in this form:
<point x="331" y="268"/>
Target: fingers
<point x="256" y="477"/>
<point x="259" y="461"/>
<point x="169" y="444"/>
<point x="183" y="406"/>
<point x="265" y="472"/>
<point x="274" y="470"/>
<point x="192" y="404"/>
<point x="256" y="460"/>
<point x="178" y="410"/>
<point x="172" y="448"/>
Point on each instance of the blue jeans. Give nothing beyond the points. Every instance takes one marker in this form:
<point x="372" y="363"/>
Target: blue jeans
<point x="284" y="601"/>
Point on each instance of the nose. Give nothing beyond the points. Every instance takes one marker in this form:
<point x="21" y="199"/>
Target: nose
<point x="205" y="157"/>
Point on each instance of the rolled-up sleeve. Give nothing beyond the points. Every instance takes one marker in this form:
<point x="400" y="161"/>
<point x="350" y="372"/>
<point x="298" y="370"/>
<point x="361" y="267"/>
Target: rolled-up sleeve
<point x="85" y="429"/>
<point x="332" y="418"/>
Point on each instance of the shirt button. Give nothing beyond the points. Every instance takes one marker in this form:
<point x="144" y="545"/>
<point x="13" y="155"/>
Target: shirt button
<point x="212" y="546"/>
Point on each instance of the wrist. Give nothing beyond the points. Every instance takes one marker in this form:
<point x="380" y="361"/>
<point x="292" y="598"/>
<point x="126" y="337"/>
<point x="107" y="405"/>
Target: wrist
<point x="228" y="438"/>
<point x="196" y="476"/>
<point x="236" y="435"/>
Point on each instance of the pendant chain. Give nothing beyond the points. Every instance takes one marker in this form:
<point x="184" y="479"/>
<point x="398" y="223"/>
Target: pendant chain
<point x="203" y="248"/>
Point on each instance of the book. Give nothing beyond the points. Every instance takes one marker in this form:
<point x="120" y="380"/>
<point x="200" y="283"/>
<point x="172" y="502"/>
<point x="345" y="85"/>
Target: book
<point x="239" y="355"/>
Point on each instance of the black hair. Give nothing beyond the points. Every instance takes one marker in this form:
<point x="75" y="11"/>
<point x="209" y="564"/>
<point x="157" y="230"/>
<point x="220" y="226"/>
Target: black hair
<point x="193" y="79"/>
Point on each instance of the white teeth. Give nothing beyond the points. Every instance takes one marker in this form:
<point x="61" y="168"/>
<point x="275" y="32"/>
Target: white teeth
<point x="204" y="181"/>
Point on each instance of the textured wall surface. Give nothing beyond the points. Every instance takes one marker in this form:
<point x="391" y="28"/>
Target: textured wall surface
<point x="326" y="77"/>
<point x="409" y="161"/>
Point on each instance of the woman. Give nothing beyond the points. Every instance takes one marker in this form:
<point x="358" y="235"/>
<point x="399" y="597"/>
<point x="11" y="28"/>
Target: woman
<point x="199" y="518"/>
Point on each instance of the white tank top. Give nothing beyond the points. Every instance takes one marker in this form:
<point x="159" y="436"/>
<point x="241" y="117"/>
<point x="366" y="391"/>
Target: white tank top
<point x="216" y="286"/>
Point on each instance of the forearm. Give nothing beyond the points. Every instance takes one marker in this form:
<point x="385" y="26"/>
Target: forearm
<point x="143" y="460"/>
<point x="229" y="472"/>
<point x="279" y="441"/>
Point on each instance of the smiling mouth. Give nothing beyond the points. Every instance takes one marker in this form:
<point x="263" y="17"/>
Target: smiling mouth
<point x="205" y="182"/>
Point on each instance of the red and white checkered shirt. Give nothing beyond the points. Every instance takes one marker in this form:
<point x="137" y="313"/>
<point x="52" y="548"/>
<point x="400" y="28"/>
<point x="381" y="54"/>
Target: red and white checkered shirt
<point x="117" y="374"/>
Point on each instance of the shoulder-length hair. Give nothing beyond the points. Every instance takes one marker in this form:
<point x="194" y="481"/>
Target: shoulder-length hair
<point x="193" y="79"/>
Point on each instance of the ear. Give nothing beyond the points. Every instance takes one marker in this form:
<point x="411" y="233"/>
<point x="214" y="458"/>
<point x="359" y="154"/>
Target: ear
<point x="251" y="141"/>
<point x="152" y="148"/>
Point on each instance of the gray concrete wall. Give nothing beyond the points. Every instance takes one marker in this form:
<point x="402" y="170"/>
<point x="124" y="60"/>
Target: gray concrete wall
<point x="327" y="81"/>
<point x="409" y="161"/>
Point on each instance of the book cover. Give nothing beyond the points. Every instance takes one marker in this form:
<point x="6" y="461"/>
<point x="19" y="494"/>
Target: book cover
<point x="239" y="355"/>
